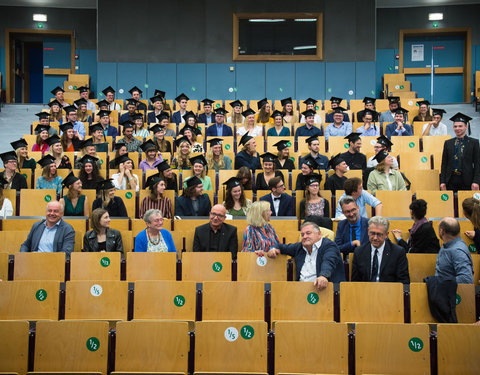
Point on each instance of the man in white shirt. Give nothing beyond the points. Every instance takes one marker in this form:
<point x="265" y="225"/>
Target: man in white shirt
<point x="84" y="95"/>
<point x="109" y="93"/>
<point x="436" y="127"/>
<point x="317" y="259"/>
<point x="310" y="103"/>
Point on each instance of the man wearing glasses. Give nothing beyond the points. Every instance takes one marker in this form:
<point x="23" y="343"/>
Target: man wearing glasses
<point x="281" y="203"/>
<point x="216" y="235"/>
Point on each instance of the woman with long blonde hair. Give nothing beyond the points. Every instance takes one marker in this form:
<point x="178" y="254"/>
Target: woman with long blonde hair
<point x="62" y="161"/>
<point x="23" y="161"/>
<point x="259" y="234"/>
<point x="184" y="150"/>
<point x="56" y="113"/>
<point x="113" y="204"/>
<point x="216" y="160"/>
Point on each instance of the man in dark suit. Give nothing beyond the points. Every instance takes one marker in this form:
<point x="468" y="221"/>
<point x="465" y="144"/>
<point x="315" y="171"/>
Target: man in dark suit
<point x="317" y="259"/>
<point x="460" y="158"/>
<point x="207" y="117"/>
<point x="216" y="235"/>
<point x="52" y="234"/>
<point x="281" y="203"/>
<point x="380" y="260"/>
<point x="193" y="202"/>
<point x="219" y="129"/>
<point x="352" y="232"/>
<point x="137" y="94"/>
<point x="182" y="101"/>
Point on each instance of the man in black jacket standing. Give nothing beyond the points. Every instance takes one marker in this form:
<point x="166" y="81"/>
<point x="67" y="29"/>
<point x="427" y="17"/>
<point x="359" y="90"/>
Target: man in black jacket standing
<point x="460" y="158"/>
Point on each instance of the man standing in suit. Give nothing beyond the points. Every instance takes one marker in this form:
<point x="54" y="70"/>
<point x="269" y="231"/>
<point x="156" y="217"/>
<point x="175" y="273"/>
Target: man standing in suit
<point x="52" y="234"/>
<point x="380" y="260"/>
<point x="352" y="232"/>
<point x="460" y="158"/>
<point x="216" y="235"/>
<point x="317" y="259"/>
<point x="207" y="117"/>
<point x="281" y="203"/>
<point x="182" y="101"/>
<point x="219" y="129"/>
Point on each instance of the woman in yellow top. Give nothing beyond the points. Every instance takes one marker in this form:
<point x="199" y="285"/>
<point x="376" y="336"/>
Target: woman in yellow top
<point x="384" y="177"/>
<point x="265" y="110"/>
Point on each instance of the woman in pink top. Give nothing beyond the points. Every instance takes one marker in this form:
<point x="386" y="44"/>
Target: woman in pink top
<point x="259" y="234"/>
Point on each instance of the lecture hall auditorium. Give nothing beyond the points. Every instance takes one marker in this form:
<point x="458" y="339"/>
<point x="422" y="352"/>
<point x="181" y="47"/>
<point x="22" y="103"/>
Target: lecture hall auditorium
<point x="102" y="78"/>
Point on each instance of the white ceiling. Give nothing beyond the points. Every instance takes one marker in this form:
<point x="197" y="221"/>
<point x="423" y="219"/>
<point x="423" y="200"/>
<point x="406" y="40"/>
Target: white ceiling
<point x="92" y="4"/>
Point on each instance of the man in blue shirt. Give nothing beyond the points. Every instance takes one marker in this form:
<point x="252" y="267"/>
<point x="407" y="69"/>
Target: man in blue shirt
<point x="51" y="234"/>
<point x="398" y="128"/>
<point x="338" y="128"/>
<point x="353" y="187"/>
<point x="335" y="103"/>
<point x="314" y="147"/>
<point x="207" y="117"/>
<point x="369" y="129"/>
<point x="309" y="129"/>
<point x="219" y="129"/>
<point x="353" y="231"/>
<point x="78" y="127"/>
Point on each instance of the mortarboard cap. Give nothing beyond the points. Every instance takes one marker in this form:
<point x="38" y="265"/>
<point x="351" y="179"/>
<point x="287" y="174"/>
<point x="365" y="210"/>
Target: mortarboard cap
<point x="46" y="160"/>
<point x="334" y="99"/>
<point x="335" y="160"/>
<point x="276" y="113"/>
<point x="180" y="140"/>
<point x="70" y="108"/>
<point x="159" y="93"/>
<point x="207" y="101"/>
<point x="215" y="142"/>
<point x="119" y="145"/>
<point x="367" y="100"/>
<point x="86" y="143"/>
<point x="137" y="116"/>
<point x="40" y="128"/>
<point x="401" y="111"/>
<point x="191" y="128"/>
<point x="103" y="112"/>
<point x="384" y="141"/>
<point x="42" y="115"/>
<point x="193" y="181"/>
<point x="381" y="155"/>
<point x="245" y="138"/>
<point x="163" y="116"/>
<point x="268" y="157"/>
<point x="153" y="179"/>
<point x="9" y="155"/>
<point x="310" y="161"/>
<point x="156" y="128"/>
<point x="131" y="101"/>
<point x="286" y="101"/>
<point x="70" y="180"/>
<point x="95" y="127"/>
<point x="105" y="184"/>
<point x="102" y="103"/>
<point x="220" y="111"/>
<point x="52" y="140"/>
<point x="87" y="159"/>
<point x="148" y="145"/>
<point x="309" y="101"/>
<point x="460" y="117"/>
<point x="54" y="102"/>
<point x="82" y="89"/>
<point x="338" y="109"/>
<point x="19" y="144"/>
<point x="370" y="112"/>
<point x="236" y="103"/>
<point x="107" y="90"/>
<point x="262" y="102"/>
<point x="232" y="182"/>
<point x="309" y="113"/>
<point x="353" y="137"/>
<point x="163" y="166"/>
<point x="314" y="178"/>
<point x="80" y="102"/>
<point x="121" y="159"/>
<point x="156" y="98"/>
<point x="393" y="99"/>
<point x="182" y="96"/>
<point x="56" y="90"/>
<point x="188" y="115"/>
<point x="282" y="145"/>
<point x="421" y="102"/>
<point x="311" y="139"/>
<point x="200" y="159"/>
<point x="66" y="126"/>
<point x="135" y="88"/>
<point x="438" y="111"/>
<point x="248" y="112"/>
<point x="127" y="124"/>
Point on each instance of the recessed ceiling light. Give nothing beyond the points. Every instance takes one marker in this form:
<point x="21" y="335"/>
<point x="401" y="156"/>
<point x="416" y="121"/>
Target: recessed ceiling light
<point x="435" y="16"/>
<point x="40" y="17"/>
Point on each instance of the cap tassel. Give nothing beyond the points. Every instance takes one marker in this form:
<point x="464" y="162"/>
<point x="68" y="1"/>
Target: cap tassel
<point x="469" y="129"/>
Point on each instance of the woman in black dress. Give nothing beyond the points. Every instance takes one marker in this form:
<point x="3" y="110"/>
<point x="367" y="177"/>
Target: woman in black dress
<point x="114" y="205"/>
<point x="262" y="178"/>
<point x="170" y="178"/>
<point x="308" y="167"/>
<point x="89" y="173"/>
<point x="283" y="160"/>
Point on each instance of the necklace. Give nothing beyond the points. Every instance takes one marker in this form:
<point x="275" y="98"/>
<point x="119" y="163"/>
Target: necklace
<point x="151" y="240"/>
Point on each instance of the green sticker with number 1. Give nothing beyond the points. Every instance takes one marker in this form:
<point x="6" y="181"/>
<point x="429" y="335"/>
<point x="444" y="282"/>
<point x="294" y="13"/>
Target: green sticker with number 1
<point x="415" y="344"/>
<point x="247" y="332"/>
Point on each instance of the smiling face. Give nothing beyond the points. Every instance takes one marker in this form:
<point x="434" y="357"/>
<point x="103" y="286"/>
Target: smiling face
<point x="77" y="186"/>
<point x="105" y="220"/>
<point x="337" y="118"/>
<point x="185" y="148"/>
<point x="268" y="166"/>
<point x="198" y="169"/>
<point x="53" y="169"/>
<point x="156" y="223"/>
<point x="168" y="173"/>
<point x="377" y="235"/>
<point x="88" y="168"/>
<point x="236" y="192"/>
<point x="54" y="213"/>
<point x="57" y="148"/>
<point x="398" y="117"/>
<point x="161" y="187"/>
<point x="351" y="212"/>
<point x="460" y="129"/>
<point x="310" y="236"/>
<point x="217" y="150"/>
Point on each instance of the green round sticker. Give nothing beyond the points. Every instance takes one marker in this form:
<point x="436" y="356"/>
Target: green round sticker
<point x="179" y="300"/>
<point x="93" y="344"/>
<point x="444" y="197"/>
<point x="289" y="144"/>
<point x="402" y="87"/>
<point x="227" y="147"/>
<point x="105" y="262"/>
<point x="128" y="195"/>
<point x="194" y="89"/>
<point x="199" y="128"/>
<point x="390" y="68"/>
<point x="292" y="158"/>
<point x="247" y="332"/>
<point x="47" y="198"/>
<point x="74" y="87"/>
<point x="423" y="159"/>
<point x="24" y="175"/>
<point x="316" y="108"/>
<point x="458" y="299"/>
<point x="415" y="344"/>
<point x="411" y="145"/>
<point x="101" y="161"/>
<point x="217" y="267"/>
<point x="217" y="105"/>
<point x="346" y="145"/>
<point x="472" y="248"/>
<point x="41" y="295"/>
<point x="312" y="298"/>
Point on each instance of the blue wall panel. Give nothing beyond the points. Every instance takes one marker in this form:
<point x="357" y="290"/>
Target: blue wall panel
<point x="87" y="64"/>
<point x="448" y="88"/>
<point x="421" y="83"/>
<point x="280" y="80"/>
<point x="2" y="67"/>
<point x="220" y="82"/>
<point x="162" y="77"/>
<point x="107" y="76"/>
<point x="340" y="80"/>
<point x="309" y="80"/>
<point x="130" y="75"/>
<point x="385" y="64"/>
<point x="250" y="80"/>
<point x="49" y="83"/>
<point x="56" y="53"/>
<point x="364" y="79"/>
<point x="191" y="80"/>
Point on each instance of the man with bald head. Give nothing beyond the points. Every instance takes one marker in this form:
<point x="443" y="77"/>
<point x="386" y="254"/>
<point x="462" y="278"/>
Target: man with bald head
<point x="52" y="234"/>
<point x="216" y="235"/>
<point x="453" y="259"/>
